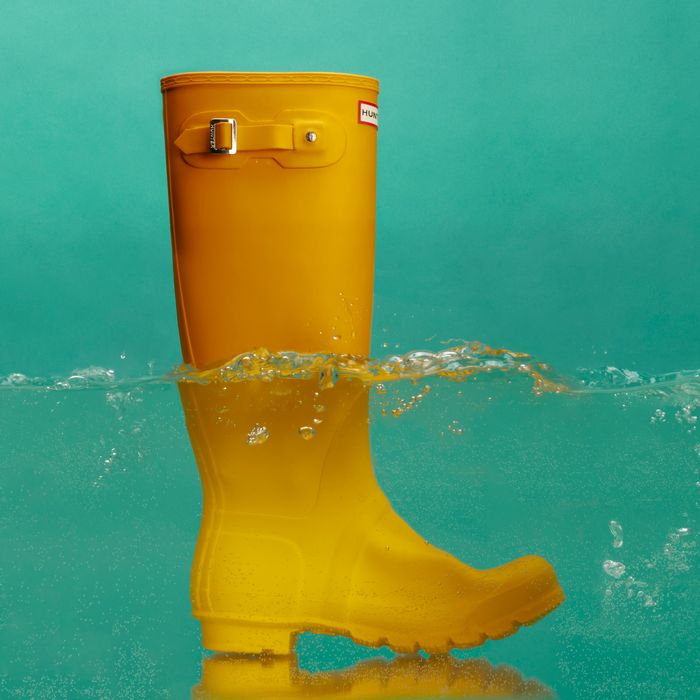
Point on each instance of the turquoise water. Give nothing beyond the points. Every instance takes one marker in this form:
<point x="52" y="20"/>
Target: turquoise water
<point x="537" y="189"/>
<point x="600" y="475"/>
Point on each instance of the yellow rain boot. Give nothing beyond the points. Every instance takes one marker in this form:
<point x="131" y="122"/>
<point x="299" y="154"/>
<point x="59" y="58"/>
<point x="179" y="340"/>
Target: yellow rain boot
<point x="233" y="676"/>
<point x="271" y="181"/>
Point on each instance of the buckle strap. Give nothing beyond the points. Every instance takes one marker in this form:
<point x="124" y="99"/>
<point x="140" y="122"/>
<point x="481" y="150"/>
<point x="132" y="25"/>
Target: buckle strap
<point x="293" y="138"/>
<point x="223" y="135"/>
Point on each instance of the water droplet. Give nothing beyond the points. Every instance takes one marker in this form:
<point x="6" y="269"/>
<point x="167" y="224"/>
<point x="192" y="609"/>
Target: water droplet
<point x="615" y="569"/>
<point x="307" y="432"/>
<point x="317" y="421"/>
<point x="258" y="435"/>
<point x="616" y="532"/>
<point x="319" y="408"/>
<point x="122" y="355"/>
<point x="380" y="389"/>
<point x="336" y="336"/>
<point x="327" y="378"/>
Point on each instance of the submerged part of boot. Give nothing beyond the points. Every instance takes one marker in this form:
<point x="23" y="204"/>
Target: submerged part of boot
<point x="225" y="677"/>
<point x="297" y="534"/>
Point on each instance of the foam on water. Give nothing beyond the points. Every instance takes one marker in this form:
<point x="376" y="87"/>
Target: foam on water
<point x="459" y="363"/>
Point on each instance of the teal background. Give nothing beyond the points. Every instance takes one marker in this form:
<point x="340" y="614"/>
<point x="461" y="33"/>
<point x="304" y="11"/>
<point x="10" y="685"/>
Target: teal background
<point x="537" y="189"/>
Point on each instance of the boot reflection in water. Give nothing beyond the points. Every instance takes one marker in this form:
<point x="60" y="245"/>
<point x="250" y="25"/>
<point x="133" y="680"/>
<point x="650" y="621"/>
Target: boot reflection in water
<point x="225" y="677"/>
<point x="272" y="219"/>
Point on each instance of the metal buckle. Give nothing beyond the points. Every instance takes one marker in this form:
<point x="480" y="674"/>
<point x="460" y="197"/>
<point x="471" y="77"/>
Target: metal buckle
<point x="213" y="148"/>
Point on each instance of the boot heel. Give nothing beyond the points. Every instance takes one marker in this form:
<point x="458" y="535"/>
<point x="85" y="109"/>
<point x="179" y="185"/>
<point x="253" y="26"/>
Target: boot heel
<point x="247" y="638"/>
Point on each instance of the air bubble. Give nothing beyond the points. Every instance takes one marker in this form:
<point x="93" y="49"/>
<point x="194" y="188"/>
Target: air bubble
<point x="307" y="432"/>
<point x="659" y="416"/>
<point x="615" y="569"/>
<point x="258" y="434"/>
<point x="455" y="428"/>
<point x="616" y="532"/>
<point x="19" y="378"/>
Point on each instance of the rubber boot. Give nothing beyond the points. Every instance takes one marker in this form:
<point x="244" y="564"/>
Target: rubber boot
<point x="225" y="677"/>
<point x="273" y="247"/>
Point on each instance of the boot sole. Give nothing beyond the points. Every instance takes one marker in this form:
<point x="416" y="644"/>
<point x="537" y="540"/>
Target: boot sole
<point x="228" y="635"/>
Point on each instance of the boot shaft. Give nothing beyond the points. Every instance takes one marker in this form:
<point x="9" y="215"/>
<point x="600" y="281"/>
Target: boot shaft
<point x="273" y="245"/>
